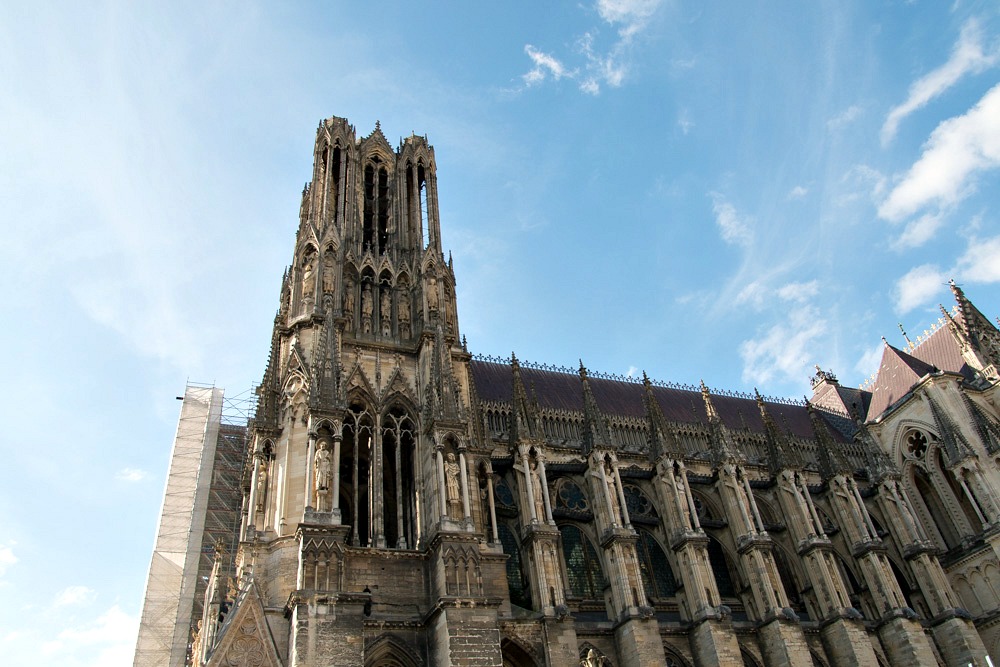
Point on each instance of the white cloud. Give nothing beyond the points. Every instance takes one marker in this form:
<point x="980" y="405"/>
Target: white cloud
<point x="918" y="232"/>
<point x="684" y="121"/>
<point x="7" y="558"/>
<point x="752" y="293"/>
<point x="784" y="351"/>
<point x="869" y="360"/>
<point x="957" y="149"/>
<point x="800" y="292"/>
<point x="798" y="192"/>
<point x="73" y="595"/>
<point x="735" y="229"/>
<point x="107" y="640"/>
<point x="981" y="261"/>
<point x="967" y="57"/>
<point x="131" y="474"/>
<point x="632" y="370"/>
<point x="918" y="287"/>
<point x="545" y="65"/>
<point x="846" y="117"/>
<point x="631" y="15"/>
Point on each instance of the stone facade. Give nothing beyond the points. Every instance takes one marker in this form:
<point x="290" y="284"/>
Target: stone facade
<point x="409" y="504"/>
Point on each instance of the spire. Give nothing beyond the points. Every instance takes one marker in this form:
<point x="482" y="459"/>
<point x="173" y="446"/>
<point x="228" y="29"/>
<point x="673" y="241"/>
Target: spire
<point x="595" y="429"/>
<point x="780" y="455"/>
<point x="909" y="343"/>
<point x="662" y="440"/>
<point x="956" y="447"/>
<point x="877" y="461"/>
<point x="525" y="413"/>
<point x="988" y="429"/>
<point x="832" y="461"/>
<point x="978" y="331"/>
<point x="720" y="439"/>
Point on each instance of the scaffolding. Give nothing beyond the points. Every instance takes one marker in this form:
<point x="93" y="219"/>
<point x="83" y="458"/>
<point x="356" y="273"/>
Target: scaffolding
<point x="201" y="510"/>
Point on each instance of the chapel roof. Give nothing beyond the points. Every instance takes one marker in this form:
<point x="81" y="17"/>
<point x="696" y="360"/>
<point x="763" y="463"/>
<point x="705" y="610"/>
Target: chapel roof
<point x="561" y="389"/>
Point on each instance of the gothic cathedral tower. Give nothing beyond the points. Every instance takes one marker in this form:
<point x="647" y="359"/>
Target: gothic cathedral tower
<point x="361" y="496"/>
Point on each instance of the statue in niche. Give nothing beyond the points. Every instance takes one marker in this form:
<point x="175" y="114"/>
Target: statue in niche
<point x="366" y="308"/>
<point x="536" y="491"/>
<point x="404" y="315"/>
<point x="323" y="468"/>
<point x="432" y="296"/>
<point x="309" y="282"/>
<point x="680" y="488"/>
<point x="328" y="272"/>
<point x="609" y="476"/>
<point x="349" y="300"/>
<point x="449" y="312"/>
<point x="385" y="311"/>
<point x="451" y="471"/>
<point x="261" y="484"/>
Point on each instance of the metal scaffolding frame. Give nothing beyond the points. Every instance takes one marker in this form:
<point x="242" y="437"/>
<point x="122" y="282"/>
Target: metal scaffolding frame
<point x="201" y="510"/>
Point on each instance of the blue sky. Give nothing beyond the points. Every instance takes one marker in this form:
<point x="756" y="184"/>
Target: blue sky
<point x="730" y="193"/>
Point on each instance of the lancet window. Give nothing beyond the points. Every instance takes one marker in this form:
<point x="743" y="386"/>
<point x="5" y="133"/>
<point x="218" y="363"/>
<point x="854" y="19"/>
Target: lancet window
<point x="586" y="577"/>
<point x="520" y="591"/>
<point x="720" y="568"/>
<point x="657" y="577"/>
<point x="377" y="488"/>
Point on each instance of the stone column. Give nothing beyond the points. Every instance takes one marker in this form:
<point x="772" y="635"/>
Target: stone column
<point x="310" y="464"/>
<point x="442" y="487"/>
<point x="464" y="480"/>
<point x="400" y="536"/>
<point x="493" y="509"/>
<point x="621" y="492"/>
<point x="337" y="439"/>
<point x="545" y="488"/>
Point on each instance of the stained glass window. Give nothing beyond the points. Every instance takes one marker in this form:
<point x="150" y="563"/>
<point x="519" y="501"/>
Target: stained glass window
<point x="657" y="577"/>
<point x="520" y="593"/>
<point x="586" y="579"/>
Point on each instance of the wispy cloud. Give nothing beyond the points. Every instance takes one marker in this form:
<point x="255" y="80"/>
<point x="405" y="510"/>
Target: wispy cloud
<point x="7" y="558"/>
<point x="545" y="65"/>
<point x="684" y="121"/>
<point x="734" y="228"/>
<point x="918" y="287"/>
<point x="981" y="261"/>
<point x="798" y="192"/>
<point x="601" y="66"/>
<point x="957" y="149"/>
<point x="845" y="117"/>
<point x="107" y="640"/>
<point x="918" y="232"/>
<point x="800" y="292"/>
<point x="785" y="350"/>
<point x="73" y="595"/>
<point x="967" y="57"/>
<point x="131" y="475"/>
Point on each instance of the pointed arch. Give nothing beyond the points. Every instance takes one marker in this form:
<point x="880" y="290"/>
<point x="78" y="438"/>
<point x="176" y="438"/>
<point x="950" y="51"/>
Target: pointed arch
<point x="583" y="566"/>
<point x="657" y="576"/>
<point x="722" y="568"/>
<point x="357" y="472"/>
<point x="518" y="586"/>
<point x="399" y="475"/>
<point x="516" y="655"/>
<point x="389" y="650"/>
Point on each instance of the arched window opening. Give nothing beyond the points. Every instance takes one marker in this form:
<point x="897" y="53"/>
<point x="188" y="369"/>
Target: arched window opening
<point x="570" y="501"/>
<point x="720" y="568"/>
<point x="398" y="475"/>
<point x="356" y="473"/>
<point x="383" y="210"/>
<point x="640" y="507"/>
<point x="425" y="232"/>
<point x="657" y="577"/>
<point x="335" y="184"/>
<point x="905" y="588"/>
<point x="517" y="584"/>
<point x="938" y="513"/>
<point x="971" y="512"/>
<point x="586" y="577"/>
<point x="788" y="580"/>
<point x="748" y="658"/>
<point x="368" y="218"/>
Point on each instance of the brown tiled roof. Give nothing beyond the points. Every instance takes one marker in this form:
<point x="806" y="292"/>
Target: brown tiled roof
<point x="897" y="374"/>
<point x="940" y="349"/>
<point x="564" y="391"/>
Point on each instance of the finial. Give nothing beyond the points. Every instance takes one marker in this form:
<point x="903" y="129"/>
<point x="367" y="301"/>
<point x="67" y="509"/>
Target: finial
<point x="513" y="359"/>
<point x="909" y="343"/>
<point x="645" y="380"/>
<point x="885" y="342"/>
<point x="583" y="370"/>
<point x="378" y="125"/>
<point x="465" y="344"/>
<point x="760" y="399"/>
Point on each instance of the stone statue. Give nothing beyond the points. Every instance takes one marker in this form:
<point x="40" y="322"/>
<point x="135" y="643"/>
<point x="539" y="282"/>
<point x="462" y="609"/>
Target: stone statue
<point x="328" y="272"/>
<point x="261" y="484"/>
<point x="322" y="468"/>
<point x="609" y="476"/>
<point x="451" y="471"/>
<point x="403" y="314"/>
<point x="592" y="659"/>
<point x="536" y="488"/>
<point x="366" y="308"/>
<point x="308" y="281"/>
<point x="385" y="312"/>
<point x="432" y="295"/>
<point x="349" y="297"/>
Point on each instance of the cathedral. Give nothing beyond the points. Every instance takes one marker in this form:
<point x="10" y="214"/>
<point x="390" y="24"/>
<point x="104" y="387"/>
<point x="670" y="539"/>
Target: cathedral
<point x="402" y="502"/>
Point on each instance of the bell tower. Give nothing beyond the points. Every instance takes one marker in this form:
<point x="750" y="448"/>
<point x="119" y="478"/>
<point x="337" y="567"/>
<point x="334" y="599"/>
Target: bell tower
<point x="362" y="447"/>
